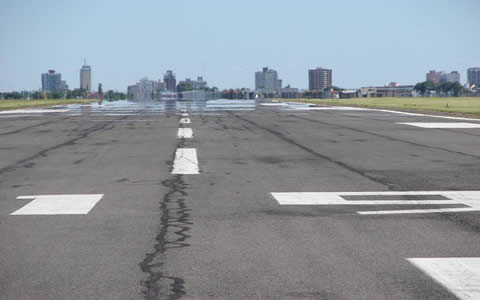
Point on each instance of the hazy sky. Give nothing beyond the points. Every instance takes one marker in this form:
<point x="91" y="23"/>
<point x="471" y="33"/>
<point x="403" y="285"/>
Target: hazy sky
<point x="369" y="42"/>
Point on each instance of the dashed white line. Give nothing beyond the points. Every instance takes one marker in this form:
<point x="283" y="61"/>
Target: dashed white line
<point x="460" y="275"/>
<point x="58" y="204"/>
<point x="185" y="133"/>
<point x="184" y="115"/>
<point x="185" y="162"/>
<point x="185" y="121"/>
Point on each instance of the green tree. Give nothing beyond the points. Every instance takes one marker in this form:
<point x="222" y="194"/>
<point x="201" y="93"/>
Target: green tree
<point x="13" y="95"/>
<point x="184" y="86"/>
<point x="100" y="90"/>
<point x="421" y="88"/>
<point x="37" y="95"/>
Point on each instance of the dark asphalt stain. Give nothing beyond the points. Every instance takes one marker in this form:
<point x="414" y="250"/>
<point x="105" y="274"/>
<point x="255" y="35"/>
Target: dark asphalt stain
<point x="122" y="180"/>
<point x="79" y="161"/>
<point x="15" y="186"/>
<point x="283" y="137"/>
<point x="29" y="165"/>
<point x="175" y="224"/>
<point x="269" y="160"/>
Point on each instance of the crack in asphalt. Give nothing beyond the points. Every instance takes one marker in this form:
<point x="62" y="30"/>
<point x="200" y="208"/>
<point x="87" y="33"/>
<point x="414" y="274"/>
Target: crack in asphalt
<point x="85" y="133"/>
<point x="175" y="223"/>
<point x="283" y="137"/>
<point x="31" y="126"/>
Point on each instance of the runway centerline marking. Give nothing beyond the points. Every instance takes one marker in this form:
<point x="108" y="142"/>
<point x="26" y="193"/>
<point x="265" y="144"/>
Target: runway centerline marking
<point x="186" y="162"/>
<point x="185" y="121"/>
<point x="442" y="125"/>
<point x="185" y="133"/>
<point x="470" y="200"/>
<point x="460" y="275"/>
<point x="58" y="204"/>
<point x="184" y="115"/>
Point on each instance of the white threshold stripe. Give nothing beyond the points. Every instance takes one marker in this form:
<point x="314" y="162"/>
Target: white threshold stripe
<point x="58" y="204"/>
<point x="469" y="199"/>
<point x="460" y="275"/>
<point x="185" y="133"/>
<point x="185" y="121"/>
<point x="443" y="125"/>
<point x="185" y="162"/>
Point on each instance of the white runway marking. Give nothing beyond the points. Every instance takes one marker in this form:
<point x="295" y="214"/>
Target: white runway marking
<point x="443" y="125"/>
<point x="328" y="108"/>
<point x="33" y="111"/>
<point x="460" y="275"/>
<point x="185" y="121"/>
<point x="184" y="115"/>
<point x="274" y="104"/>
<point x="470" y="199"/>
<point x="185" y="133"/>
<point x="185" y="161"/>
<point x="58" y="204"/>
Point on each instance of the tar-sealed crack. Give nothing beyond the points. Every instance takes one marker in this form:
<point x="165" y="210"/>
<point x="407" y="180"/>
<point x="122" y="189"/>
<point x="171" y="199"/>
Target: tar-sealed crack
<point x="175" y="225"/>
<point x="85" y="133"/>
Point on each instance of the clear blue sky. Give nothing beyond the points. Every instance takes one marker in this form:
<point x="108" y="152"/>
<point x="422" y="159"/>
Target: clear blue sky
<point x="370" y="42"/>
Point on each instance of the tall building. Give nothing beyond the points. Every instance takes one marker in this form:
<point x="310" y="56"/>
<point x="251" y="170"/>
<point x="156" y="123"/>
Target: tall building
<point x="199" y="84"/>
<point x="453" y="77"/>
<point x="86" y="77"/>
<point x="170" y="81"/>
<point x="473" y="76"/>
<point x="442" y="77"/>
<point x="267" y="81"/>
<point x="52" y="82"/>
<point x="319" y="79"/>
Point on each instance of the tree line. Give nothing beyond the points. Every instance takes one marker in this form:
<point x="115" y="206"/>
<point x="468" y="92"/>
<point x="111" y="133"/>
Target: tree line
<point x="426" y="88"/>
<point x="68" y="94"/>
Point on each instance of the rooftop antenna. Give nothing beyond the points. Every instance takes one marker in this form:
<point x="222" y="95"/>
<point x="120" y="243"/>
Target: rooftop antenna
<point x="84" y="61"/>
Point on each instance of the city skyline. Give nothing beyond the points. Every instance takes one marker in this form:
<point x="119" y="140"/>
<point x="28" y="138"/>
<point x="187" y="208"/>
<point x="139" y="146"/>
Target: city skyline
<point x="204" y="40"/>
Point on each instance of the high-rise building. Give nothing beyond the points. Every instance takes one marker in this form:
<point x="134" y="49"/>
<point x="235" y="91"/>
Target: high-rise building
<point x="473" y="76"/>
<point x="267" y="81"/>
<point x="319" y="79"/>
<point x="453" y="77"/>
<point x="52" y="82"/>
<point x="199" y="84"/>
<point x="86" y="77"/>
<point x="443" y="77"/>
<point x="170" y="81"/>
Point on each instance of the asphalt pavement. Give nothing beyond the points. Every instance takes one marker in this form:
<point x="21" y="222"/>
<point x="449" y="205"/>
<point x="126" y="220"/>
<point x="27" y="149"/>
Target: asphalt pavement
<point x="262" y="201"/>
